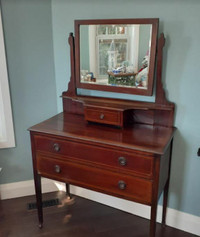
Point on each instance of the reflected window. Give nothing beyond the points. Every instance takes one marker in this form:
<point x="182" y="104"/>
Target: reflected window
<point x="114" y="54"/>
<point x="112" y="47"/>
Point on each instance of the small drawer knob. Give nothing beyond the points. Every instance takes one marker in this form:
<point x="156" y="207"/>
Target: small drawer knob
<point x="57" y="168"/>
<point x="122" y="161"/>
<point x="56" y="147"/>
<point x="121" y="185"/>
<point x="102" y="116"/>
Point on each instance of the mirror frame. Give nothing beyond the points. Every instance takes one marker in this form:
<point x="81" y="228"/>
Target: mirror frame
<point x="137" y="91"/>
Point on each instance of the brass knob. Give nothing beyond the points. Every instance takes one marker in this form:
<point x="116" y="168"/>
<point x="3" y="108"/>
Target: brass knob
<point x="56" y="147"/>
<point x="102" y="116"/>
<point x="57" y="168"/>
<point x="121" y="185"/>
<point x="122" y="161"/>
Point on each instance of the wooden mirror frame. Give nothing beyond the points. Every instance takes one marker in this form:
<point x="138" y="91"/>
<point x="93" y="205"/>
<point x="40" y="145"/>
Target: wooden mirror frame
<point x="137" y="91"/>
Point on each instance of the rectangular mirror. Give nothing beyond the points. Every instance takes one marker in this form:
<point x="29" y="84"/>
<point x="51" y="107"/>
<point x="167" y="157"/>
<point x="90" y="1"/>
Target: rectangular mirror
<point x="116" y="55"/>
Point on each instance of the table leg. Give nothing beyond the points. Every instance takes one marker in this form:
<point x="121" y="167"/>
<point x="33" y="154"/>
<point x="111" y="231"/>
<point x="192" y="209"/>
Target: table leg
<point x="37" y="179"/>
<point x="68" y="190"/>
<point x="166" y="189"/>
<point x="153" y="220"/>
<point x="165" y="199"/>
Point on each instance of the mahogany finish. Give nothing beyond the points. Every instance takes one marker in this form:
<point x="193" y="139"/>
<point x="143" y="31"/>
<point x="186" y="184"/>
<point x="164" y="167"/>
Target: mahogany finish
<point x="103" y="115"/>
<point x="131" y="163"/>
<point x="118" y="147"/>
<point x="97" y="179"/>
<point x="106" y="158"/>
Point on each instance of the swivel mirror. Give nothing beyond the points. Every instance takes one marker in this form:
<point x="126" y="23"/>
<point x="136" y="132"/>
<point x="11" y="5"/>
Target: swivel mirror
<point x="116" y="55"/>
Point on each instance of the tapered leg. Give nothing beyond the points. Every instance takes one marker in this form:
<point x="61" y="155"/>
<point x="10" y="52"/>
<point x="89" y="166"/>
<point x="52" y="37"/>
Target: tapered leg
<point x="165" y="199"/>
<point x="166" y="189"/>
<point x="68" y="191"/>
<point x="38" y="192"/>
<point x="153" y="220"/>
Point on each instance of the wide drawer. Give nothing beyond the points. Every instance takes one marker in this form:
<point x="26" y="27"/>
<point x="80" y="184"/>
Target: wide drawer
<point x="106" y="116"/>
<point x="120" y="160"/>
<point x="124" y="186"/>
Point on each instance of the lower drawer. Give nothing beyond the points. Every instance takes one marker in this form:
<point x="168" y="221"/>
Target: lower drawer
<point x="113" y="183"/>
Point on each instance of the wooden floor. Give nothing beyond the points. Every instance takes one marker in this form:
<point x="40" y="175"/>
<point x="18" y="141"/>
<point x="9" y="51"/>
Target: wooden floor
<point x="77" y="218"/>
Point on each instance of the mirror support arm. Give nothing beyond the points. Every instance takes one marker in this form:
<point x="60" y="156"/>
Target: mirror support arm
<point x="160" y="93"/>
<point x="71" y="92"/>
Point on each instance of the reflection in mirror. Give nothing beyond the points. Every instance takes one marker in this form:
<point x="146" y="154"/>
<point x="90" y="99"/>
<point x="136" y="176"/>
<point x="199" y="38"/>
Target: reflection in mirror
<point x="115" y="55"/>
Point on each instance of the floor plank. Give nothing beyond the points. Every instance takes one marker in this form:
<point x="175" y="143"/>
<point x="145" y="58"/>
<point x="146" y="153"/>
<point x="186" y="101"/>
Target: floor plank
<point x="76" y="218"/>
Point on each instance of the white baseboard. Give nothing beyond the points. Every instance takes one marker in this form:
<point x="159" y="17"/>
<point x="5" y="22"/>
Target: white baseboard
<point x="175" y="219"/>
<point x="25" y="188"/>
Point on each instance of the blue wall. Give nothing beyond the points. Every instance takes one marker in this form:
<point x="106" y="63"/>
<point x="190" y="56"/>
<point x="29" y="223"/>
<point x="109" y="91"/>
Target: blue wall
<point x="179" y="20"/>
<point x="36" y="87"/>
<point x="29" y="46"/>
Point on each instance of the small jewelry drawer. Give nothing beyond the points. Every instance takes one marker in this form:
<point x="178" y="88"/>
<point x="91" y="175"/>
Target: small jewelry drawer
<point x="105" y="116"/>
<point x="121" y="161"/>
<point x="94" y="178"/>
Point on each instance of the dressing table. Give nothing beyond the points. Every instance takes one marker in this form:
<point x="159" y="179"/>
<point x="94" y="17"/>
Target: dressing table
<point x="118" y="147"/>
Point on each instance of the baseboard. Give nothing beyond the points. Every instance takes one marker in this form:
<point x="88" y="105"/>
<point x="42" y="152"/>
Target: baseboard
<point x="175" y="219"/>
<point x="25" y="188"/>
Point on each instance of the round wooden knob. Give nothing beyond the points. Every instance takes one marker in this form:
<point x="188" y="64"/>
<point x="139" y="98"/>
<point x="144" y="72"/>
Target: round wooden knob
<point x="102" y="116"/>
<point x="122" y="161"/>
<point x="56" y="147"/>
<point x="57" y="168"/>
<point x="121" y="185"/>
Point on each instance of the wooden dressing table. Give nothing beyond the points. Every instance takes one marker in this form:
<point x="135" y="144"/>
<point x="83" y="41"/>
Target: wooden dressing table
<point x="118" y="147"/>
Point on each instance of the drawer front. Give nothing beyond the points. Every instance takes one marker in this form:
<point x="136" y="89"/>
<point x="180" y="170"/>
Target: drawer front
<point x="120" y="160"/>
<point x="96" y="179"/>
<point x="103" y="116"/>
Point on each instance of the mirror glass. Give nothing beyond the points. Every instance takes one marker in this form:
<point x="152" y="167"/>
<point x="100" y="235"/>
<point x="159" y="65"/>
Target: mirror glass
<point x="115" y="55"/>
